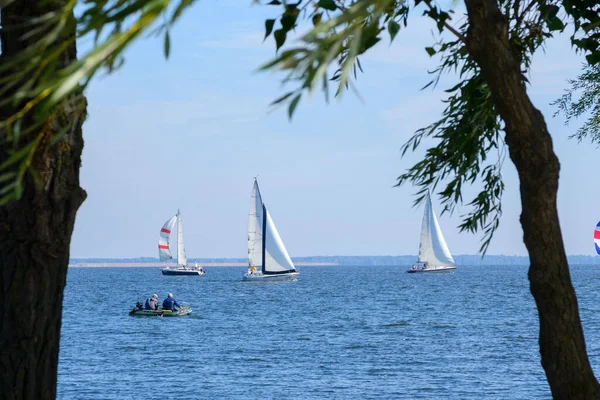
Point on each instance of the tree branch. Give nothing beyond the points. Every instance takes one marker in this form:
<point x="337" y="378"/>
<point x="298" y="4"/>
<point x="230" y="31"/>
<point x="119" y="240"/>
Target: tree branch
<point x="519" y="18"/>
<point x="447" y="25"/>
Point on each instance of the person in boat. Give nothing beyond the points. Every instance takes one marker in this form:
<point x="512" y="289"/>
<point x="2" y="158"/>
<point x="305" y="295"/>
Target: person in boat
<point x="152" y="303"/>
<point x="170" y="303"/>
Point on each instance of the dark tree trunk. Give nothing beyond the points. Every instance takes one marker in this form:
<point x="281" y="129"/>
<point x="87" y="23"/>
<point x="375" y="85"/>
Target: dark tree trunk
<point x="562" y="345"/>
<point x="35" y="231"/>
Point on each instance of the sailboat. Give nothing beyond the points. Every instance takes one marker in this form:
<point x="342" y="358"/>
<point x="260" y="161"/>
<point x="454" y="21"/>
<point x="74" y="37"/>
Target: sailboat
<point x="268" y="258"/>
<point x="164" y="251"/>
<point x="434" y="255"/>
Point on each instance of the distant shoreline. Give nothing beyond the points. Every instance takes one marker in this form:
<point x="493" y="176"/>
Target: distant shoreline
<point x="162" y="265"/>
<point x="460" y="259"/>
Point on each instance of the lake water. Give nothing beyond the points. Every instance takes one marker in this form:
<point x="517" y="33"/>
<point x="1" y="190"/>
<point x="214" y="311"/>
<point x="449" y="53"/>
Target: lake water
<point x="335" y="333"/>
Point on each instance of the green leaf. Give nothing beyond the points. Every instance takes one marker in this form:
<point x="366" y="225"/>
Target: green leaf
<point x="430" y="50"/>
<point x="280" y="36"/>
<point x="288" y="19"/>
<point x="293" y="105"/>
<point x="18" y="189"/>
<point x="593" y="58"/>
<point x="268" y="27"/>
<point x="590" y="26"/>
<point x="180" y="8"/>
<point x="167" y="44"/>
<point x="555" y="24"/>
<point x="328" y="5"/>
<point x="553" y="11"/>
<point x="17" y="156"/>
<point x="393" y="29"/>
<point x="8" y="188"/>
<point x="7" y="176"/>
<point x="316" y="19"/>
<point x="281" y="99"/>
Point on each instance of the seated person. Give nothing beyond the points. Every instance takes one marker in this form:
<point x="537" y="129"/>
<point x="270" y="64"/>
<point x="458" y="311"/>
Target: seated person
<point x="170" y="303"/>
<point x="152" y="303"/>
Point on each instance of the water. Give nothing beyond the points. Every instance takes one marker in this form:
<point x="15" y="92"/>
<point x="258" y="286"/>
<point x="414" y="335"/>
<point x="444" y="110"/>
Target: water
<point x="336" y="333"/>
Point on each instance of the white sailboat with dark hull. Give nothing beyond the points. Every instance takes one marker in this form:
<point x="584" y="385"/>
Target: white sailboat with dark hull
<point x="268" y="258"/>
<point x="434" y="255"/>
<point x="164" y="251"/>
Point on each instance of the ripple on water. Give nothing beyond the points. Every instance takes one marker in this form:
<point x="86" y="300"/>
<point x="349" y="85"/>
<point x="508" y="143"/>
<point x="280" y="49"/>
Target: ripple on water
<point x="379" y="335"/>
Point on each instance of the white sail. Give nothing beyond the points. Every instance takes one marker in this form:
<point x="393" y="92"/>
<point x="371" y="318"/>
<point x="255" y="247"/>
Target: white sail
<point x="255" y="219"/>
<point x="164" y="253"/>
<point x="433" y="248"/>
<point x="277" y="258"/>
<point x="181" y="258"/>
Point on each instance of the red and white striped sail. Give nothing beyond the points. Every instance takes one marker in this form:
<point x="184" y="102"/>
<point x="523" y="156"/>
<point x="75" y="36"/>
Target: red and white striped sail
<point x="164" y="253"/>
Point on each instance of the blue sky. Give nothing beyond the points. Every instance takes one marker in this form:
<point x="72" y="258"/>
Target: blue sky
<point x="192" y="131"/>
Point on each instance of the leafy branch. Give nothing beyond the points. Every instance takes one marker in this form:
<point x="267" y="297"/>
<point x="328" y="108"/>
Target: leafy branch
<point x="35" y="81"/>
<point x="588" y="86"/>
<point x="470" y="148"/>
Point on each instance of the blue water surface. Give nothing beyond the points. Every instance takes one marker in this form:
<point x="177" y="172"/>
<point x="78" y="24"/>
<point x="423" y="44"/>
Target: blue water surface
<point x="335" y="333"/>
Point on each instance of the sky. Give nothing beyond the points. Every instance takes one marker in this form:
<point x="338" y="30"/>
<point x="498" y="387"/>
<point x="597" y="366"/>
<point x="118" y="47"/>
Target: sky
<point x="191" y="133"/>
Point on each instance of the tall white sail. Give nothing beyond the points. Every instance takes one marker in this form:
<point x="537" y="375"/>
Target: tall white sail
<point x="181" y="258"/>
<point x="164" y="253"/>
<point x="277" y="258"/>
<point x="433" y="248"/>
<point x="255" y="228"/>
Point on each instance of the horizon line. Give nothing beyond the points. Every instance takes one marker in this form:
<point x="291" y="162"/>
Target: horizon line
<point x="326" y="256"/>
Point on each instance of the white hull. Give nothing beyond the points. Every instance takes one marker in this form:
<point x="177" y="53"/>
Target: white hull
<point x="258" y="276"/>
<point x="181" y="271"/>
<point x="441" y="268"/>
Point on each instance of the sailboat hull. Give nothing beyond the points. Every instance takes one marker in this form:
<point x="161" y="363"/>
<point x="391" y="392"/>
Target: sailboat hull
<point x="180" y="271"/>
<point x="259" y="277"/>
<point x="432" y="269"/>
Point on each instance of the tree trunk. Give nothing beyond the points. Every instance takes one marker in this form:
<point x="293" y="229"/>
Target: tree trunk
<point x="562" y="345"/>
<point x="35" y="231"/>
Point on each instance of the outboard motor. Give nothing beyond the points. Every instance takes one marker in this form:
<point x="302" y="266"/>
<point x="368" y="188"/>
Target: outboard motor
<point x="138" y="306"/>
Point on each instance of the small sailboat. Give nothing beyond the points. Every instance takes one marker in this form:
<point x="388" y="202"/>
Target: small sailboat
<point x="164" y="251"/>
<point x="268" y="258"/>
<point x="434" y="255"/>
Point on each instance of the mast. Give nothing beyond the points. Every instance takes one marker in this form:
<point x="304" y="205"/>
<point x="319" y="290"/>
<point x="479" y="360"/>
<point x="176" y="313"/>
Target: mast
<point x="264" y="236"/>
<point x="255" y="228"/>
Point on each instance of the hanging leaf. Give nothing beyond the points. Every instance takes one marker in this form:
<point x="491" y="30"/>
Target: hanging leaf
<point x="316" y="19"/>
<point x="328" y="5"/>
<point x="393" y="29"/>
<point x="167" y="44"/>
<point x="268" y="27"/>
<point x="281" y="99"/>
<point x="293" y="105"/>
<point x="280" y="36"/>
<point x="288" y="19"/>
